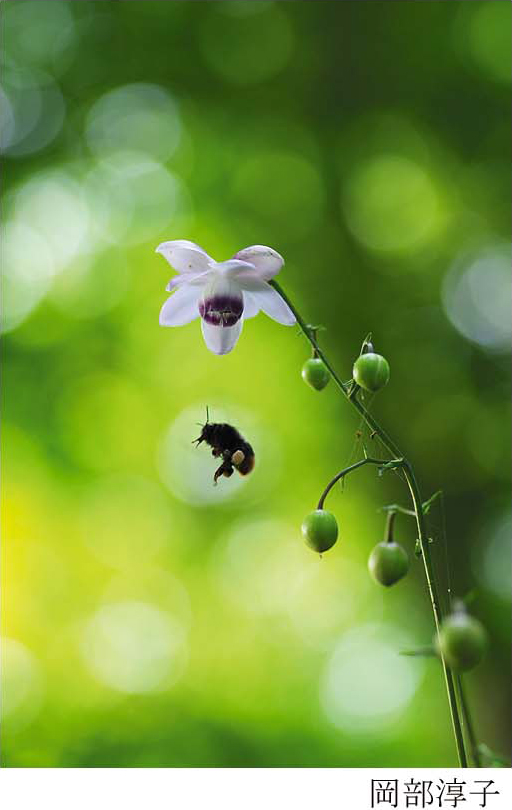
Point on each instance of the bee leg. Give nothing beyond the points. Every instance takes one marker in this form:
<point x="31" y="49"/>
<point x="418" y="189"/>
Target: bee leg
<point x="225" y="468"/>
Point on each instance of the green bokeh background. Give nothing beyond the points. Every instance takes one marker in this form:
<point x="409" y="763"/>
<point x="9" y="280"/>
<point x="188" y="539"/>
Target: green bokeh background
<point x="148" y="618"/>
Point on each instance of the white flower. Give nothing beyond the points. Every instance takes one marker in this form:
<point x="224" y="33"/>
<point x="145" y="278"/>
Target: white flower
<point x="223" y="294"/>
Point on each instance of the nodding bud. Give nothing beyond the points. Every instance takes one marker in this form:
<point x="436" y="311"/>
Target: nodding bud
<point x="237" y="457"/>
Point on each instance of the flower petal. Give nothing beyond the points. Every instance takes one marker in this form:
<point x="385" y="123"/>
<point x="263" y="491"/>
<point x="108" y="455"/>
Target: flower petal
<point x="233" y="267"/>
<point x="185" y="256"/>
<point x="251" y="308"/>
<point x="181" y="308"/>
<point x="266" y="260"/>
<point x="267" y="299"/>
<point x="221" y="339"/>
<point x="196" y="279"/>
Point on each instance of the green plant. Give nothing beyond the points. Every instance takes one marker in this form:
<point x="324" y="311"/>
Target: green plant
<point x="320" y="530"/>
<point x="372" y="373"/>
<point x="462" y="639"/>
<point x="315" y="374"/>
<point x="388" y="561"/>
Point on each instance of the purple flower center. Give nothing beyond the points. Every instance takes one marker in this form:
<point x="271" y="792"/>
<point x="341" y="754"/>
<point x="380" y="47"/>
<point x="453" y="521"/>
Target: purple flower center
<point x="221" y="310"/>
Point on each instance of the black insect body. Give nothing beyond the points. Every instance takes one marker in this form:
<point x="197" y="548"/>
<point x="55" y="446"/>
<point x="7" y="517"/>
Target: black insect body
<point x="227" y="443"/>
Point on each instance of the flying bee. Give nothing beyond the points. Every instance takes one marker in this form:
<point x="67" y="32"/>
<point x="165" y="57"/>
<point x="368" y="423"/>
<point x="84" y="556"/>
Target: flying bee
<point x="227" y="443"/>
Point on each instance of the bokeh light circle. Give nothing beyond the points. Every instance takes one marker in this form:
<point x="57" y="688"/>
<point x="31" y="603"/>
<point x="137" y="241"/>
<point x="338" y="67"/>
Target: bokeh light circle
<point x="35" y="109"/>
<point x="492" y="558"/>
<point x="97" y="412"/>
<point x="133" y="197"/>
<point x="27" y="275"/>
<point x="134" y="647"/>
<point x="247" y="50"/>
<point x="21" y="685"/>
<point x="391" y="203"/>
<point x="282" y="189"/>
<point x="40" y="33"/>
<point x="7" y="122"/>
<point x="125" y="519"/>
<point x="136" y="117"/>
<point x="263" y="567"/>
<point x="489" y="39"/>
<point x="149" y="583"/>
<point x="53" y="203"/>
<point x="366" y="684"/>
<point x="93" y="284"/>
<point x="324" y="600"/>
<point x="257" y="564"/>
<point x="477" y="297"/>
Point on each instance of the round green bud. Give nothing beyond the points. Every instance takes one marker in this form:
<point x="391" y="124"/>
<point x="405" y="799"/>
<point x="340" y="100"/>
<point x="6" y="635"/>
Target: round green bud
<point x="320" y="530"/>
<point x="315" y="373"/>
<point x="388" y="563"/>
<point x="462" y="641"/>
<point x="371" y="371"/>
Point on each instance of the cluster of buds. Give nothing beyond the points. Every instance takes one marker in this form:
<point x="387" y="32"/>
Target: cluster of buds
<point x="462" y="639"/>
<point x="388" y="561"/>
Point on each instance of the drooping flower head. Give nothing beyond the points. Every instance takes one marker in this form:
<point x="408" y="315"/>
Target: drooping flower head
<point x="222" y="294"/>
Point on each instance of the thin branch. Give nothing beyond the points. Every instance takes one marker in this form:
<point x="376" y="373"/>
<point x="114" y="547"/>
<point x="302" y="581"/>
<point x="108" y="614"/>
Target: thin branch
<point x="345" y="472"/>
<point x="351" y="394"/>
<point x="470" y="729"/>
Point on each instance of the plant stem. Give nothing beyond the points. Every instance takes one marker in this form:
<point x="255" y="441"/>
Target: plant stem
<point x="434" y="599"/>
<point x="345" y="472"/>
<point x="466" y="714"/>
<point x="390" y="522"/>
<point x="398" y="510"/>
<point x="351" y="395"/>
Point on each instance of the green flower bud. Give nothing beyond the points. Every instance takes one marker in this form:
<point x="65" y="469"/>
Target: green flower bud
<point x="388" y="563"/>
<point x="462" y="640"/>
<point x="371" y="371"/>
<point x="315" y="373"/>
<point x="320" y="530"/>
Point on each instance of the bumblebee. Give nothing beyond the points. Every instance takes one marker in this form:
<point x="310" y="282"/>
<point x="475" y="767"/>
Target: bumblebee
<point x="227" y="443"/>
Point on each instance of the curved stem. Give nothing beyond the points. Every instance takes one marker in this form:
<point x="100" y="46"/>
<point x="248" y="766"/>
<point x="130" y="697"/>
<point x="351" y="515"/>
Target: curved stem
<point x="351" y="394"/>
<point x="343" y="473"/>
<point x="390" y="522"/>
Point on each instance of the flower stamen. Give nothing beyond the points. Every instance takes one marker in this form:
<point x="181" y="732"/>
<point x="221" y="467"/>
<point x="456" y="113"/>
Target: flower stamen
<point x="221" y="310"/>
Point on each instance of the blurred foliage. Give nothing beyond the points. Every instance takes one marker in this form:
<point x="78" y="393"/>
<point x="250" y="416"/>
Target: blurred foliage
<point x="148" y="618"/>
